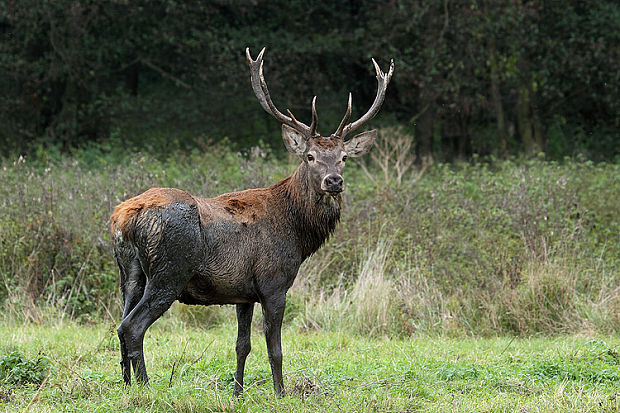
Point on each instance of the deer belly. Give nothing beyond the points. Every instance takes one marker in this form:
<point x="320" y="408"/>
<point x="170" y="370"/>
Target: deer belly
<point x="219" y="288"/>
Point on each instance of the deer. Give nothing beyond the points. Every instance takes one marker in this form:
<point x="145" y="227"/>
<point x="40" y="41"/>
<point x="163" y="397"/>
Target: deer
<point x="238" y="248"/>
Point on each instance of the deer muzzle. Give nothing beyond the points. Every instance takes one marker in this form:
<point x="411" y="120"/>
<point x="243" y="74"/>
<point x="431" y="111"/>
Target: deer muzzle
<point x="332" y="183"/>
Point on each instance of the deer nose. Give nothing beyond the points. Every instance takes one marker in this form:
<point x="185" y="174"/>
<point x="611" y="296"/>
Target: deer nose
<point x="333" y="183"/>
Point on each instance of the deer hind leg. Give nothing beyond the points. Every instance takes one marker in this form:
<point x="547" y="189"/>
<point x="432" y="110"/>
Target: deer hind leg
<point x="167" y="278"/>
<point x="154" y="302"/>
<point x="133" y="281"/>
<point x="244" y="327"/>
<point x="168" y="251"/>
<point x="133" y="287"/>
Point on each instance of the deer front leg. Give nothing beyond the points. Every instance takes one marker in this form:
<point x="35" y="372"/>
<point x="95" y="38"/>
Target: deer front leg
<point x="273" y="312"/>
<point x="244" y="328"/>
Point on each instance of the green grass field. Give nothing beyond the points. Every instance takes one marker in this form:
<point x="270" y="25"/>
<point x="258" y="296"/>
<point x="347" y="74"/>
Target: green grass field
<point x="324" y="372"/>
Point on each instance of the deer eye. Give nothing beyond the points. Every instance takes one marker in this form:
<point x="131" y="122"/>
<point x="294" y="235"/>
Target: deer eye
<point x="310" y="157"/>
<point x="344" y="158"/>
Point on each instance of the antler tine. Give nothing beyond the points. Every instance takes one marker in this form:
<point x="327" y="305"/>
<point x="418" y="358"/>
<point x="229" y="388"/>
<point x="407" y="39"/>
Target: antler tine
<point x="315" y="118"/>
<point x="345" y="119"/>
<point x="256" y="66"/>
<point x="292" y="117"/>
<point x="262" y="93"/>
<point x="383" y="80"/>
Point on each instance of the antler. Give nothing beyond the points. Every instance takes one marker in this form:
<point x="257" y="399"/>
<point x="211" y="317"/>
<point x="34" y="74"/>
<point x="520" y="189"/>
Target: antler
<point x="262" y="93"/>
<point x="382" y="82"/>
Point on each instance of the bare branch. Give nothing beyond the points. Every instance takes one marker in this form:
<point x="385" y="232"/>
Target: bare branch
<point x="165" y="74"/>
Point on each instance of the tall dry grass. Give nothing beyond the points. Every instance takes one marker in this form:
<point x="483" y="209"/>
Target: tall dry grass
<point x="367" y="306"/>
<point x="397" y="298"/>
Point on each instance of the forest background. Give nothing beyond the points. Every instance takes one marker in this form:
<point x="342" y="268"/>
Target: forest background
<point x="481" y="77"/>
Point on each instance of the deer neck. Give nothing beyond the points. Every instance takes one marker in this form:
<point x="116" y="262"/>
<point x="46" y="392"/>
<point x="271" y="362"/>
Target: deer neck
<point x="313" y="216"/>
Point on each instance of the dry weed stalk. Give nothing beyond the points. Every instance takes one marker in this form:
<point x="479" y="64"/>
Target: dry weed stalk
<point x="393" y="155"/>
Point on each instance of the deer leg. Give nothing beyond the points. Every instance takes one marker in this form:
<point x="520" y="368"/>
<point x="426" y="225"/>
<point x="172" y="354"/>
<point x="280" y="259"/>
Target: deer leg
<point x="244" y="329"/>
<point x="151" y="306"/>
<point x="132" y="285"/>
<point x="273" y="312"/>
<point x="167" y="249"/>
<point x="125" y="364"/>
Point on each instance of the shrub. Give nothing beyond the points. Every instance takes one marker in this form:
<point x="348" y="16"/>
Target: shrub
<point x="17" y="369"/>
<point x="516" y="246"/>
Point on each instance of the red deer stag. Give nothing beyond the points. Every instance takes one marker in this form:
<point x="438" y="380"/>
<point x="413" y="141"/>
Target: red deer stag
<point x="239" y="248"/>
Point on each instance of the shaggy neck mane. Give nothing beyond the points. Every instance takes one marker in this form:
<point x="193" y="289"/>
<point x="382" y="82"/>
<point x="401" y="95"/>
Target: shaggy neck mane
<point x="313" y="216"/>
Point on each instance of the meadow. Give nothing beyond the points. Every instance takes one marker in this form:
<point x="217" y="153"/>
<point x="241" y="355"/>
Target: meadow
<point x="192" y="370"/>
<point x="488" y="285"/>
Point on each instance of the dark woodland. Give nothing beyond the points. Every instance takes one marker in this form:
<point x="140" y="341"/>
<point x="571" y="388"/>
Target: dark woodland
<point x="501" y="78"/>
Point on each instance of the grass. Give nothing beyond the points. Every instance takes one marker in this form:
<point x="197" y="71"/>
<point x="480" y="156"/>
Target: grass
<point x="325" y="371"/>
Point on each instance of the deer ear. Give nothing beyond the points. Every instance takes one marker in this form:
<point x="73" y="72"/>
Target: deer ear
<point x="360" y="144"/>
<point x="294" y="141"/>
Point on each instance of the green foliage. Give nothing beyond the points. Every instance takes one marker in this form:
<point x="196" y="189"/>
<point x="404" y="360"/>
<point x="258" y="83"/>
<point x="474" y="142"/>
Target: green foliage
<point x="16" y="369"/>
<point x="596" y="363"/>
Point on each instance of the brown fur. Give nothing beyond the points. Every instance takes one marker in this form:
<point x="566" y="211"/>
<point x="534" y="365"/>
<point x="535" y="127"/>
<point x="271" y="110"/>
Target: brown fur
<point x="236" y="206"/>
<point x="153" y="198"/>
<point x="245" y="206"/>
<point x="327" y="142"/>
<point x="241" y="206"/>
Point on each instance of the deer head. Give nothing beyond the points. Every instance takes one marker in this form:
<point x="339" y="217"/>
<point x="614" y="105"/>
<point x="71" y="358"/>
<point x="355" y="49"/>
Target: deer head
<point x="325" y="156"/>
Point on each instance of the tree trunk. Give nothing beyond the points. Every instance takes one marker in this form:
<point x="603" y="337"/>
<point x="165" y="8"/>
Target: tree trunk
<point x="496" y="99"/>
<point x="524" y="122"/>
<point x="464" y="140"/>
<point x="132" y="78"/>
<point x="539" y="128"/>
<point x="424" y="128"/>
